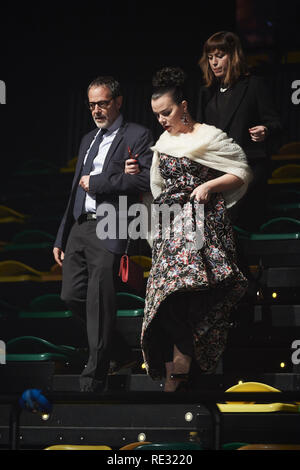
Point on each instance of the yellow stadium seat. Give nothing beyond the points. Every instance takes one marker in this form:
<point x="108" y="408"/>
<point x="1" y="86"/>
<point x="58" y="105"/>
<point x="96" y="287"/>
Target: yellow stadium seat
<point x="290" y="151"/>
<point x="285" y="174"/>
<point x="15" y="271"/>
<point x="8" y="215"/>
<point x="253" y="407"/>
<point x="77" y="447"/>
<point x="70" y="168"/>
<point x="270" y="447"/>
<point x="144" y="261"/>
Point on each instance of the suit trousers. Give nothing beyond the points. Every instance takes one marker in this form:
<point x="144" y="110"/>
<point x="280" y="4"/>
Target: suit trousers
<point x="89" y="288"/>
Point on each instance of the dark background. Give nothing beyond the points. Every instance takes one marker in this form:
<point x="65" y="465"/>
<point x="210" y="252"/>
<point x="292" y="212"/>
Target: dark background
<point x="49" y="55"/>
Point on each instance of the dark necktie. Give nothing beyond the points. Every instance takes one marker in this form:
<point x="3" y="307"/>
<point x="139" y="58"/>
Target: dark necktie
<point x="86" y="169"/>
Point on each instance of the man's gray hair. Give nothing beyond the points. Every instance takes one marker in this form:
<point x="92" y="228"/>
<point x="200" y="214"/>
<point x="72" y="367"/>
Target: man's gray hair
<point x="109" y="82"/>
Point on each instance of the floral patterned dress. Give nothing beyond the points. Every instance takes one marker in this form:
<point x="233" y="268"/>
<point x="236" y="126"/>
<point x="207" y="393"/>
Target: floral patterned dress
<point x="209" y="274"/>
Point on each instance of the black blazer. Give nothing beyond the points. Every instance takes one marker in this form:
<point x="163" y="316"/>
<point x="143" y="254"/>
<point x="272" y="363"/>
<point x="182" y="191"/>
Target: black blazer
<point x="250" y="105"/>
<point x="112" y="182"/>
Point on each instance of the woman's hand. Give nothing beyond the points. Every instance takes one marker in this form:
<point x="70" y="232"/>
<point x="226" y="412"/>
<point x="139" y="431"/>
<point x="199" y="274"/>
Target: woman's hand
<point x="220" y="184"/>
<point x="201" y="193"/>
<point x="258" y="133"/>
<point x="132" y="167"/>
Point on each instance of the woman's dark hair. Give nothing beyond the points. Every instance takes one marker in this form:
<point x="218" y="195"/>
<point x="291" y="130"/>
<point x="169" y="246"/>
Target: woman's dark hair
<point x="169" y="80"/>
<point x="109" y="82"/>
<point x="230" y="44"/>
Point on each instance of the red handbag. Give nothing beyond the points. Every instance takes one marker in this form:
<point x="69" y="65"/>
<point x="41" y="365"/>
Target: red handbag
<point x="131" y="273"/>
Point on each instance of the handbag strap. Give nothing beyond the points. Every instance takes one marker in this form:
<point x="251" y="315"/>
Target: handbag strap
<point x="127" y="246"/>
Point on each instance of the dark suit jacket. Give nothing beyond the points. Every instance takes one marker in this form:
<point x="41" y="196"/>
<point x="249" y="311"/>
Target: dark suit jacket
<point x="250" y="105"/>
<point x="112" y="182"/>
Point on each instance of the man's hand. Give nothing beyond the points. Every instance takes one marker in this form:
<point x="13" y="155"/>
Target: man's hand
<point x="132" y="167"/>
<point x="84" y="182"/>
<point x="58" y="255"/>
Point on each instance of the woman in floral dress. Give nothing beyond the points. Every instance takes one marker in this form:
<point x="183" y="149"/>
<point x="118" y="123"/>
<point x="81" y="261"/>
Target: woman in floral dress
<point x="194" y="282"/>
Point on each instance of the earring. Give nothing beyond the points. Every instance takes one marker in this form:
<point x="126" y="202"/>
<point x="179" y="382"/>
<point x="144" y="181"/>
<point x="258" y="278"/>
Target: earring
<point x="184" y="119"/>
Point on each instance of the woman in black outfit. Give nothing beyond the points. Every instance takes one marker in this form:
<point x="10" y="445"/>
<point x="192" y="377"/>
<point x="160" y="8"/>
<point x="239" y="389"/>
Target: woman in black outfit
<point x="239" y="104"/>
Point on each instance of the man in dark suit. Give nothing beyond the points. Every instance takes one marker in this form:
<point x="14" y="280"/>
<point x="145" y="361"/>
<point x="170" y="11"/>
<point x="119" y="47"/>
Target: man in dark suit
<point x="89" y="260"/>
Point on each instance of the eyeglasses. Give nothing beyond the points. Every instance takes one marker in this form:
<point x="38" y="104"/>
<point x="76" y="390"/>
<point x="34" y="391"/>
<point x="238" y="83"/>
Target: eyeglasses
<point x="101" y="104"/>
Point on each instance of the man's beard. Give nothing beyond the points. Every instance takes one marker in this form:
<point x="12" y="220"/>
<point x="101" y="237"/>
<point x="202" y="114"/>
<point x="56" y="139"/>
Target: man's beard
<point x="101" y="122"/>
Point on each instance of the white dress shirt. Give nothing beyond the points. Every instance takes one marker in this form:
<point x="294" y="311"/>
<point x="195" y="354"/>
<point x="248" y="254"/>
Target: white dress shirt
<point x="90" y="200"/>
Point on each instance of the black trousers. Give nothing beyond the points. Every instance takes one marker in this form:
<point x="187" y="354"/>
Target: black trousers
<point x="88" y="288"/>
